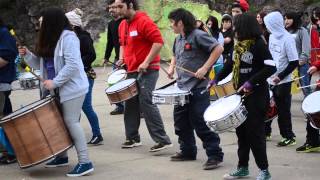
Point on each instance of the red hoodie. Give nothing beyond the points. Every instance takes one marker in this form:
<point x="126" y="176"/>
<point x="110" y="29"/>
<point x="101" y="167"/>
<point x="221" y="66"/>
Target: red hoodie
<point x="137" y="38"/>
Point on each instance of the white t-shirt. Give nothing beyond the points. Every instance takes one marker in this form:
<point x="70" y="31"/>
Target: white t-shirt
<point x="283" y="51"/>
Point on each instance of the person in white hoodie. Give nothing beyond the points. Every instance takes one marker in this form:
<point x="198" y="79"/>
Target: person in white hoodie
<point x="284" y="52"/>
<point x="57" y="55"/>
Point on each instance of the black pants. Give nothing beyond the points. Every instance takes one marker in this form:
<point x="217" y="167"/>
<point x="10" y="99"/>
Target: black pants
<point x="189" y="118"/>
<point x="7" y="105"/>
<point x="251" y="134"/>
<point x="313" y="137"/>
<point x="282" y="97"/>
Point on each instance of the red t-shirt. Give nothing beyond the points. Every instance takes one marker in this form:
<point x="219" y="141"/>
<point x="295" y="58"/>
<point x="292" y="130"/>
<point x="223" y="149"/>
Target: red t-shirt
<point x="315" y="46"/>
<point x="137" y="38"/>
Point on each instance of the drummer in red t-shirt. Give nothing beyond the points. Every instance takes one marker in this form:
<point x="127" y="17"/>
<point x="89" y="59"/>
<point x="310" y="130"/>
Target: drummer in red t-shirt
<point x="140" y="44"/>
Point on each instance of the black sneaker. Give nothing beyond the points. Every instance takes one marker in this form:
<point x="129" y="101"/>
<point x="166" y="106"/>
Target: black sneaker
<point x="8" y="159"/>
<point x="131" y="144"/>
<point x="211" y="164"/>
<point x="116" y="111"/>
<point x="181" y="157"/>
<point x="57" y="162"/>
<point x="308" y="148"/>
<point x="159" y="147"/>
<point x="96" y="140"/>
<point x="287" y="142"/>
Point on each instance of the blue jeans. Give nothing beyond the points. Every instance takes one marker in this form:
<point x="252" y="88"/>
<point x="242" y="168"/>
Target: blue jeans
<point x="5" y="142"/>
<point x="89" y="112"/>
<point x="305" y="81"/>
<point x="189" y="118"/>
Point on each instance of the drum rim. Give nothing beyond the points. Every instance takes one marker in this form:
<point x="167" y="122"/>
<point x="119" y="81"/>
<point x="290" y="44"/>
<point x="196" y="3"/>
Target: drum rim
<point x="45" y="101"/>
<point x="171" y="95"/>
<point x="134" y="82"/>
<point x="45" y="159"/>
<point x="239" y="105"/>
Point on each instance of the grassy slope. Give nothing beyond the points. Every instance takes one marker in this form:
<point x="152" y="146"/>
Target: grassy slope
<point x="158" y="11"/>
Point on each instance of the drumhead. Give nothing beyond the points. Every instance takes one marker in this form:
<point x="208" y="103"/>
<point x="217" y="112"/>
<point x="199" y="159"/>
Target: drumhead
<point x="120" y="85"/>
<point x="116" y="76"/>
<point x="311" y="103"/>
<point x="225" y="80"/>
<point x="222" y="107"/>
<point x="28" y="75"/>
<point x="27" y="108"/>
<point x="171" y="90"/>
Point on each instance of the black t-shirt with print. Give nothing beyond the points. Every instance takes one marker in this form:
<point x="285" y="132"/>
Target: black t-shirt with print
<point x="252" y="65"/>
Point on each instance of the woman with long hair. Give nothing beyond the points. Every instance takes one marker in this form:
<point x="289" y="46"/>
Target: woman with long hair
<point x="251" y="66"/>
<point x="57" y="55"/>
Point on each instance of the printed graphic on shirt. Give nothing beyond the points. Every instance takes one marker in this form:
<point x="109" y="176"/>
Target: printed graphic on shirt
<point x="247" y="57"/>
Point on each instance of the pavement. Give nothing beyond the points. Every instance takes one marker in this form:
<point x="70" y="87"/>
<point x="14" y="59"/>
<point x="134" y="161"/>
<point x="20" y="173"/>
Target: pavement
<point x="112" y="162"/>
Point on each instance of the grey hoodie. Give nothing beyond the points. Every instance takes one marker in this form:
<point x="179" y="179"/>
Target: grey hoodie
<point x="282" y="44"/>
<point x="70" y="77"/>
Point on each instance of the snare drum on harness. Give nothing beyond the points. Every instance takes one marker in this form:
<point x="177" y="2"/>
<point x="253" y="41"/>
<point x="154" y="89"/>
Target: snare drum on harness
<point x="311" y="109"/>
<point x="225" y="113"/>
<point x="170" y="94"/>
<point x="225" y="87"/>
<point x="122" y="91"/>
<point x="28" y="80"/>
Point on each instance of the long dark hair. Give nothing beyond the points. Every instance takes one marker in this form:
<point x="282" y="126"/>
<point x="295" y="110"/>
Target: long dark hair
<point x="241" y="24"/>
<point x="297" y="21"/>
<point x="53" y="23"/>
<point x="215" y="26"/>
<point x="186" y="17"/>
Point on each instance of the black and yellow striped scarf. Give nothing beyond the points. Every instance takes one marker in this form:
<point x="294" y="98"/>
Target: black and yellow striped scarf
<point x="239" y="48"/>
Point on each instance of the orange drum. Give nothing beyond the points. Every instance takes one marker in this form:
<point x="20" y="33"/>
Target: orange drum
<point x="122" y="91"/>
<point x="36" y="132"/>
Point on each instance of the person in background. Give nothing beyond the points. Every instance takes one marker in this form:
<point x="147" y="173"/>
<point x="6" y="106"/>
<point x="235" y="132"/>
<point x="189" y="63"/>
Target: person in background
<point x="196" y="51"/>
<point x="213" y="25"/>
<point x="239" y="7"/>
<point x="284" y="52"/>
<point x="113" y="43"/>
<point x="88" y="55"/>
<point x="227" y="32"/>
<point x="58" y="56"/>
<point x="8" y="53"/>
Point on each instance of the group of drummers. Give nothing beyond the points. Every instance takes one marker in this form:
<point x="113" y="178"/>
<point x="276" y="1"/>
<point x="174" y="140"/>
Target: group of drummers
<point x="257" y="66"/>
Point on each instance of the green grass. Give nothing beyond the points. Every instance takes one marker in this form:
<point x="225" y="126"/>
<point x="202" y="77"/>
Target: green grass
<point x="159" y="10"/>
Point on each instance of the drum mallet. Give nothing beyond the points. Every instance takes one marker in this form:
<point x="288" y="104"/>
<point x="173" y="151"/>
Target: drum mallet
<point x="316" y="84"/>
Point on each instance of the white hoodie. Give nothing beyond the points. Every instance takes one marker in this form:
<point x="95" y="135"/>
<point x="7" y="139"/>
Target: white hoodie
<point x="281" y="43"/>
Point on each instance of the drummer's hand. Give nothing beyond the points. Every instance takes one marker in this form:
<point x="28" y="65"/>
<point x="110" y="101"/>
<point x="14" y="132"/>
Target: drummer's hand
<point x="22" y="51"/>
<point x="171" y="72"/>
<point x="201" y="72"/>
<point x="312" y="69"/>
<point x="143" y="67"/>
<point x="48" y="84"/>
<point x="119" y="62"/>
<point x="276" y="79"/>
<point x="246" y="87"/>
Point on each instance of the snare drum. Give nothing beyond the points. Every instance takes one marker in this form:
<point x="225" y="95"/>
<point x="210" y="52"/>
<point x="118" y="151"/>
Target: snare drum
<point x="311" y="109"/>
<point x="36" y="132"/>
<point x="122" y="91"/>
<point x="28" y="80"/>
<point x="273" y="110"/>
<point x="117" y="76"/>
<point x="170" y="95"/>
<point x="225" y="87"/>
<point x="225" y="113"/>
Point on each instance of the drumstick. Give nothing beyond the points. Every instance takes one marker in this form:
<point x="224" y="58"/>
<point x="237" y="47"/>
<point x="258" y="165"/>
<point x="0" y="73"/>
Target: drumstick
<point x="309" y="85"/>
<point x="165" y="71"/>
<point x="185" y="70"/>
<point x="38" y="77"/>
